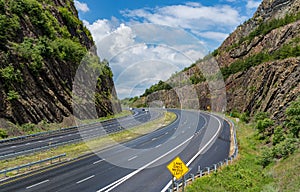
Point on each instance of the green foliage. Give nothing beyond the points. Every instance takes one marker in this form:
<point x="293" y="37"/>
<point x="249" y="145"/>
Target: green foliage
<point x="9" y="27"/>
<point x="261" y="116"/>
<point x="12" y="95"/>
<point x="10" y="74"/>
<point x="68" y="50"/>
<point x="197" y="78"/>
<point x="69" y="18"/>
<point x="28" y="127"/>
<point x="293" y="118"/>
<point x="244" y="117"/>
<point x="281" y="150"/>
<point x="215" y="52"/>
<point x="263" y="125"/>
<point x="157" y="87"/>
<point x="30" y="51"/>
<point x="265" y="28"/>
<point x="39" y="17"/>
<point x="286" y="51"/>
<point x="3" y="133"/>
<point x="278" y="135"/>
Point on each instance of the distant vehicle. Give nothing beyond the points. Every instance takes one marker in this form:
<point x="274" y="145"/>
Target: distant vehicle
<point x="146" y="110"/>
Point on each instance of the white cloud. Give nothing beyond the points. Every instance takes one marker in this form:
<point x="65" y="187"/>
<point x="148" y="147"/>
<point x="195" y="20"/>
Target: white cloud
<point x="189" y="17"/>
<point x="214" y="35"/>
<point x="81" y="6"/>
<point x="159" y="41"/>
<point x="252" y="4"/>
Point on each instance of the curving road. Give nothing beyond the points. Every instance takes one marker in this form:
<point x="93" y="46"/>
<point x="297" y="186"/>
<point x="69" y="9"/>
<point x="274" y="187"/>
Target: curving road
<point x="24" y="146"/>
<point x="139" y="165"/>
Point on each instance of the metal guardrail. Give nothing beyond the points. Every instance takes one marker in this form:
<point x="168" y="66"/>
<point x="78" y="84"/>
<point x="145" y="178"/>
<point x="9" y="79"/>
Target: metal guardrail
<point x="214" y="167"/>
<point x="29" y="165"/>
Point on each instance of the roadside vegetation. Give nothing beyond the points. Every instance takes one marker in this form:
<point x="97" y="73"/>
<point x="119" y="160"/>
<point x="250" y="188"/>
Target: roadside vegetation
<point x="82" y="148"/>
<point x="269" y="156"/>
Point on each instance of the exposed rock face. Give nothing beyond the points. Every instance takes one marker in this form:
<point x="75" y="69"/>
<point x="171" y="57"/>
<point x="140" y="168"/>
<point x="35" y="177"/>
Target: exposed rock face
<point x="268" y="86"/>
<point x="42" y="45"/>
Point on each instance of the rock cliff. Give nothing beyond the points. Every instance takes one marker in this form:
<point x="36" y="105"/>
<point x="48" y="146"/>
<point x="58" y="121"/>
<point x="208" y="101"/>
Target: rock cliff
<point x="260" y="63"/>
<point x="42" y="45"/>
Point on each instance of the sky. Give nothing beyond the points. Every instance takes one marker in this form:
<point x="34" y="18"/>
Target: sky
<point x="149" y="40"/>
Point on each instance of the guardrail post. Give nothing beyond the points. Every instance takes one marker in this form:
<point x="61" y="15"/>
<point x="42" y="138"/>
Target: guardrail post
<point x="193" y="177"/>
<point x="215" y="165"/>
<point x="177" y="187"/>
<point x="200" y="173"/>
<point x="208" y="170"/>
<point x="227" y="162"/>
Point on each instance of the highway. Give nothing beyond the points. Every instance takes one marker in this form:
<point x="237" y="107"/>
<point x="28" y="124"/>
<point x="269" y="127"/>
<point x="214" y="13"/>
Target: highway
<point x="138" y="165"/>
<point x="73" y="135"/>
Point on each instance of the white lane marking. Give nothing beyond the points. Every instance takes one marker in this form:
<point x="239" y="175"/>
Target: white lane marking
<point x="166" y="133"/>
<point x="27" y="144"/>
<point x="40" y="141"/>
<point x="199" y="152"/>
<point x="37" y="184"/>
<point x="61" y="137"/>
<point x="158" y="146"/>
<point x="98" y="161"/>
<point x="13" y="146"/>
<point x="182" y="131"/>
<point x="154" y="139"/>
<point x="132" y="158"/>
<point x="50" y="139"/>
<point x="125" y="178"/>
<point x="83" y="180"/>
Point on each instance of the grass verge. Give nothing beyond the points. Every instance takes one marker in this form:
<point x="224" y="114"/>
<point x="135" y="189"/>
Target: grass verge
<point x="246" y="174"/>
<point x="78" y="149"/>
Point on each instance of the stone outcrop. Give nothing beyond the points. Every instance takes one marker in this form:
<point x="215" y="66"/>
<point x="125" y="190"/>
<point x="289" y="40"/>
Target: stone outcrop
<point x="42" y="45"/>
<point x="269" y="86"/>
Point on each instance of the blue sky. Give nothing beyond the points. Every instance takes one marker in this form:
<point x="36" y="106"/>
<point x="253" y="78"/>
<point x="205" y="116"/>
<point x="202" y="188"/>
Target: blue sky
<point x="148" y="40"/>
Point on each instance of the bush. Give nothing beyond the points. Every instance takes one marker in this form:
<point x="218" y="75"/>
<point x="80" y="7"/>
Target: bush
<point x="245" y="117"/>
<point x="262" y="125"/>
<point x="260" y="116"/>
<point x="3" y="133"/>
<point x="278" y="135"/>
<point x="157" y="87"/>
<point x="30" y="50"/>
<point x="12" y="95"/>
<point x="68" y="50"/>
<point x="293" y="118"/>
<point x="28" y="127"/>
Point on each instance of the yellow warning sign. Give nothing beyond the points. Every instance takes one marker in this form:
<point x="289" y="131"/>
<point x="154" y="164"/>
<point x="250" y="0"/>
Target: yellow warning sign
<point x="178" y="168"/>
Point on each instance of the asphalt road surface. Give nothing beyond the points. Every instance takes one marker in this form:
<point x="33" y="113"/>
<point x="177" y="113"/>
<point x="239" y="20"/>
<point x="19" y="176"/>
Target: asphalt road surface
<point x="83" y="132"/>
<point x="199" y="139"/>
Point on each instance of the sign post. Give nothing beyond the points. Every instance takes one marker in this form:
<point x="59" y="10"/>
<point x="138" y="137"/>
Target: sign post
<point x="178" y="169"/>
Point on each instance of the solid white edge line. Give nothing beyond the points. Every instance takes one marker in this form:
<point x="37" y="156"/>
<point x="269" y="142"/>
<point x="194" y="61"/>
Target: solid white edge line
<point x="199" y="152"/>
<point x="37" y="184"/>
<point x="83" y="180"/>
<point x="120" y="181"/>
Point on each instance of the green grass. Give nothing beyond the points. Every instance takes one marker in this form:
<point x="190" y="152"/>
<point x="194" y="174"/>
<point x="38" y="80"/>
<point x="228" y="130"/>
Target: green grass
<point x="246" y="174"/>
<point x="78" y="149"/>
